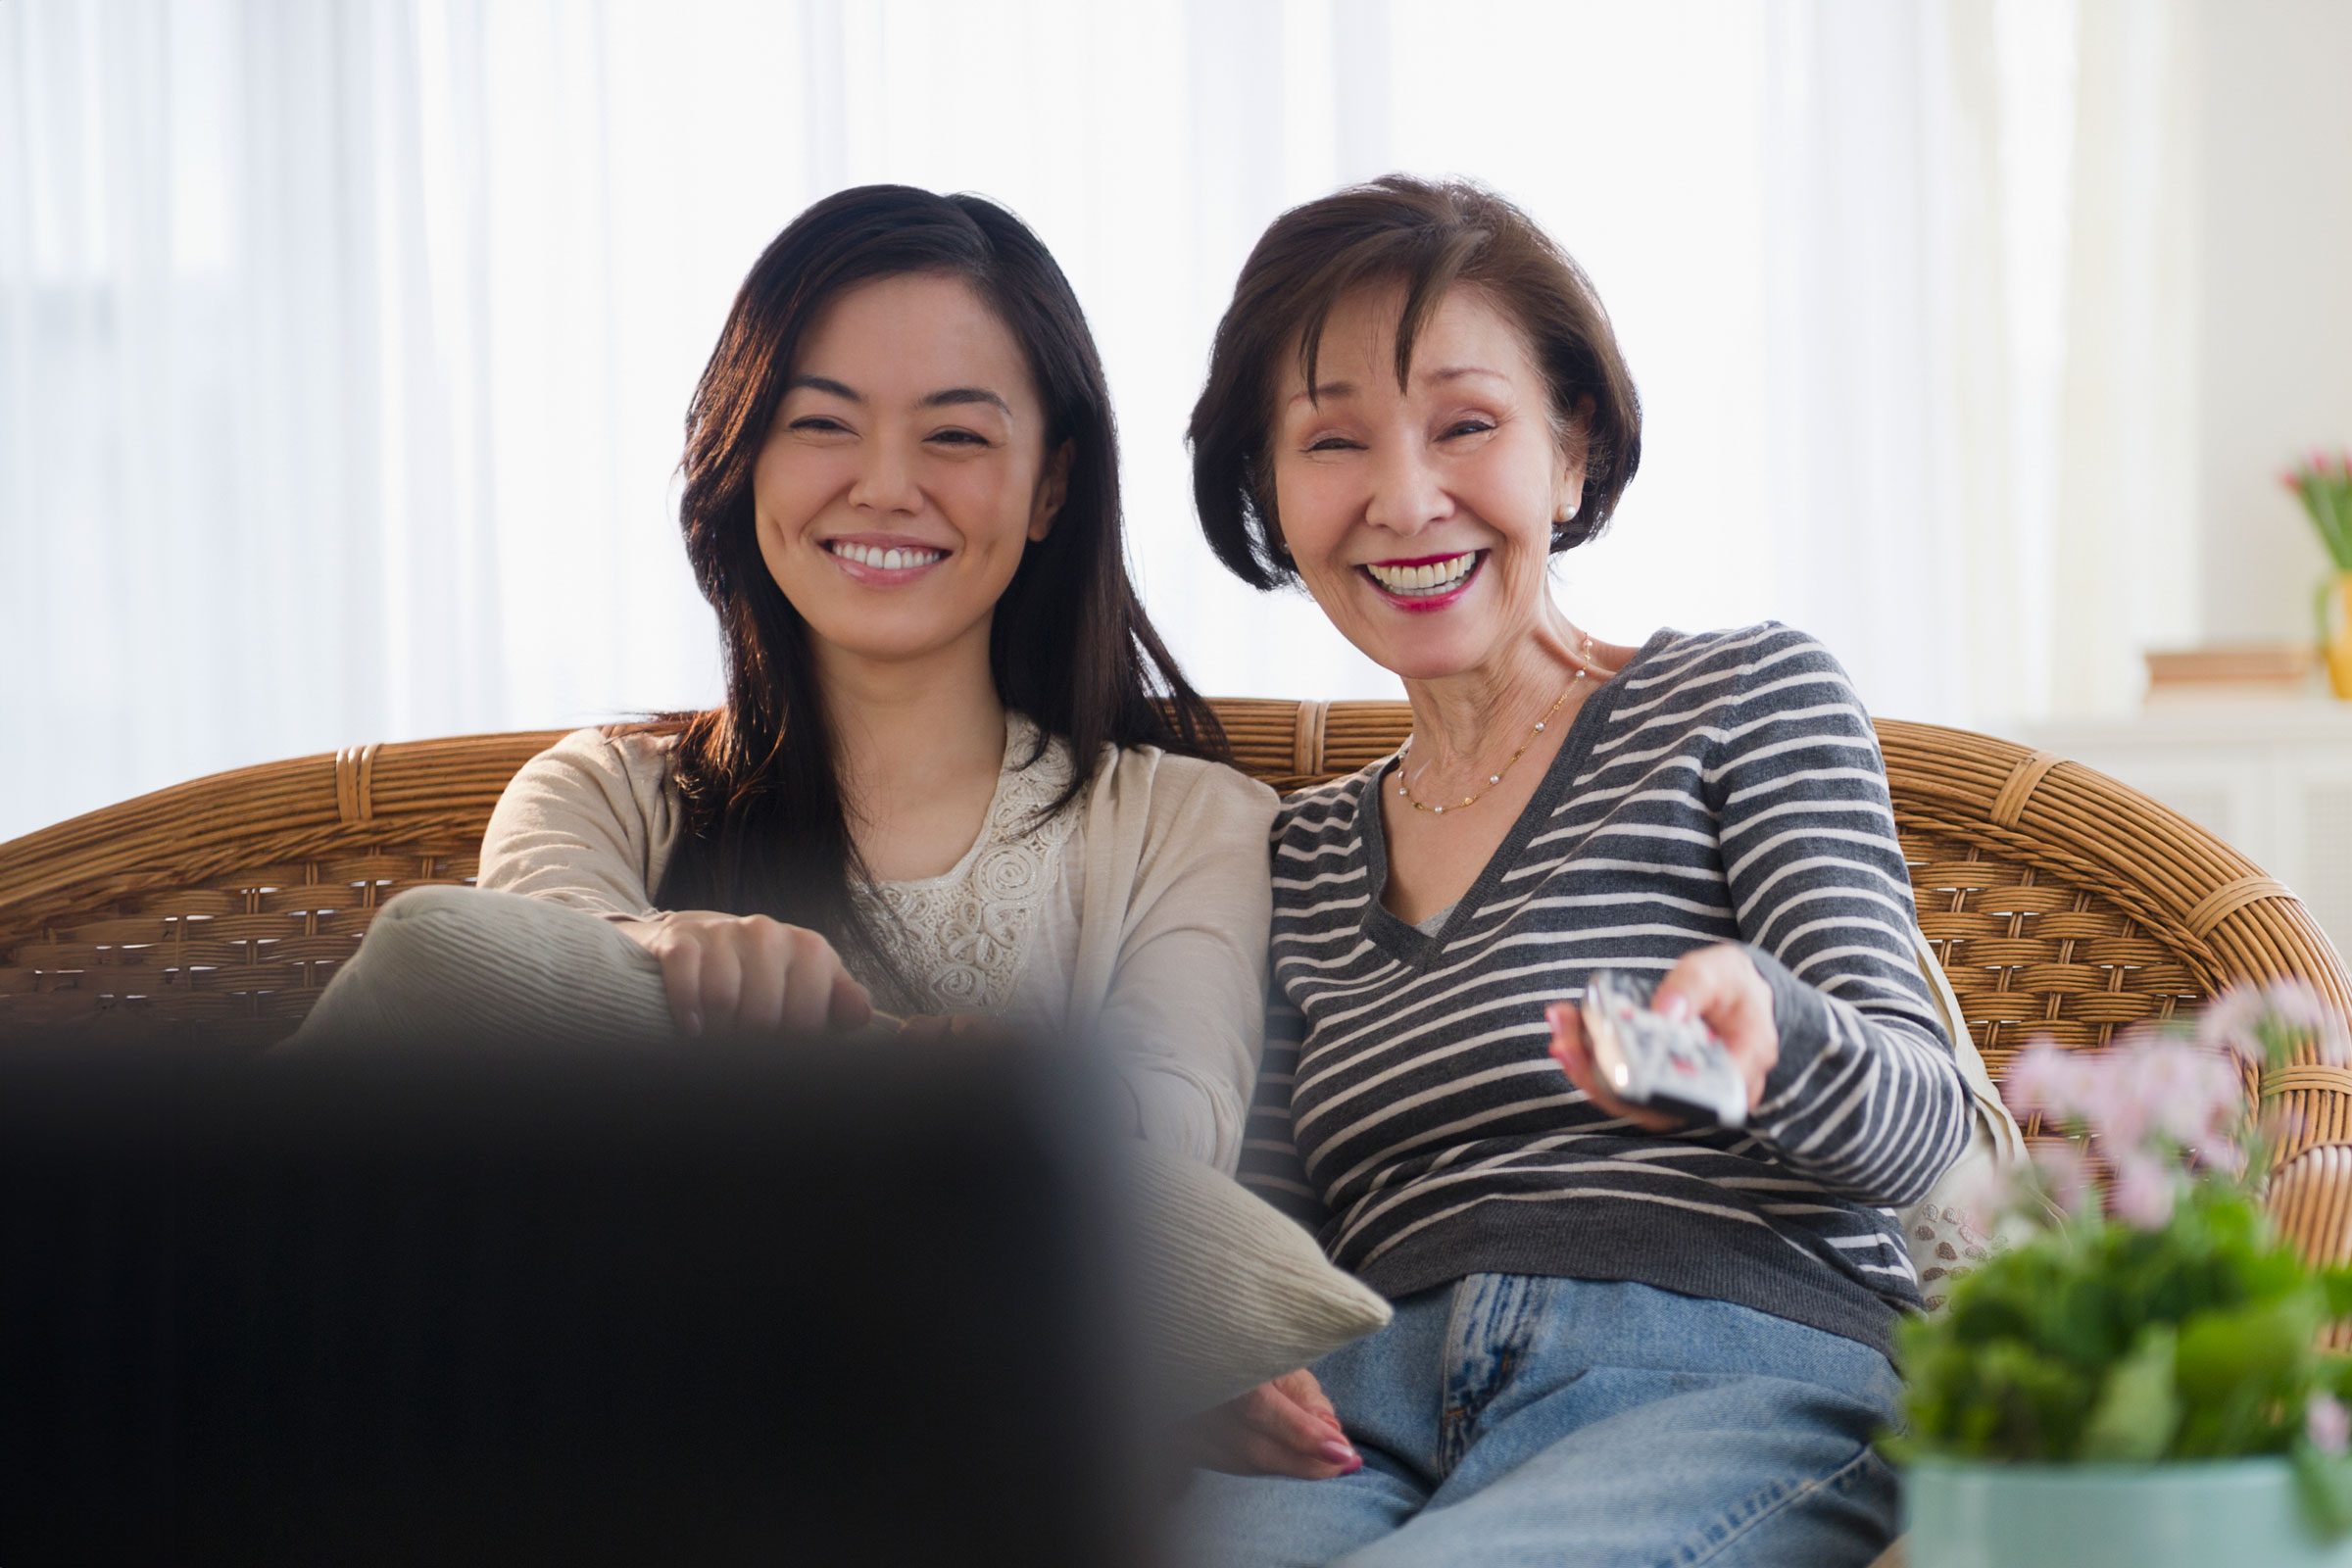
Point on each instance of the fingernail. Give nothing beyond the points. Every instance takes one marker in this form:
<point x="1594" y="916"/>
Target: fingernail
<point x="1677" y="1009"/>
<point x="694" y="1023"/>
<point x="1339" y="1453"/>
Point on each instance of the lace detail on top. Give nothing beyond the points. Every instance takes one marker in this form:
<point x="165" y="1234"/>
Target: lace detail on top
<point x="963" y="935"/>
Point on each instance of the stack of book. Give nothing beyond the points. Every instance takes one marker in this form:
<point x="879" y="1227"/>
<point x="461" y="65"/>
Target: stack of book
<point x="2233" y="671"/>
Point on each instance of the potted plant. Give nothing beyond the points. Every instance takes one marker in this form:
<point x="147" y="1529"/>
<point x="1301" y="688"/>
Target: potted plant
<point x="2325" y="490"/>
<point x="2134" y="1376"/>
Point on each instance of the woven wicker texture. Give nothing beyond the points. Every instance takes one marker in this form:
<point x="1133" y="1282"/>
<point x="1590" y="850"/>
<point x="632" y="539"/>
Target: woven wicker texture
<point x="2061" y="902"/>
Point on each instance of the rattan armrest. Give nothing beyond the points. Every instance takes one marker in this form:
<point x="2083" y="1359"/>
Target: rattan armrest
<point x="2310" y="1199"/>
<point x="2310" y="1195"/>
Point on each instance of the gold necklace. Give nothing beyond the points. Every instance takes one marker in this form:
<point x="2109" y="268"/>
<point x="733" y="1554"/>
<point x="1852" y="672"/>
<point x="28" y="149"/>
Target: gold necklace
<point x="1405" y="790"/>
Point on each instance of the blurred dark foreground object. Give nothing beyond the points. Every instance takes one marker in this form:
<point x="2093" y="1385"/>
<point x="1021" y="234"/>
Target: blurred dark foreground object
<point x="826" y="1302"/>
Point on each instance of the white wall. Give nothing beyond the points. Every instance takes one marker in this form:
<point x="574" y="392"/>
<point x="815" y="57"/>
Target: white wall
<point x="2275" y="293"/>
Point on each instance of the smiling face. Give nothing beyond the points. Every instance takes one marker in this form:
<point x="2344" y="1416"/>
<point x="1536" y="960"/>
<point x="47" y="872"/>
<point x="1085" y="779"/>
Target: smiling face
<point x="1420" y="518"/>
<point x="906" y="471"/>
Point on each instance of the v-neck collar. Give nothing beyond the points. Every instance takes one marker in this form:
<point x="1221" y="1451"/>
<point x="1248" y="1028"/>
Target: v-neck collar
<point x="1408" y="943"/>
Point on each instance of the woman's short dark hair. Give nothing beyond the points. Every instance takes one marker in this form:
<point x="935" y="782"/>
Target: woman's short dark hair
<point x="1428" y="237"/>
<point x="766" y="826"/>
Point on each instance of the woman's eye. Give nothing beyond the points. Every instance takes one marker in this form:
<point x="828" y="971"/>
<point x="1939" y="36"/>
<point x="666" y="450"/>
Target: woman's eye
<point x="818" y="424"/>
<point x="959" y="438"/>
<point x="1469" y="427"/>
<point x="1331" y="443"/>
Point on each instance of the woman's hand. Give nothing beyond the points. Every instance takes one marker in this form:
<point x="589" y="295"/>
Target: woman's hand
<point x="1282" y="1428"/>
<point x="1720" y="987"/>
<point x="746" y="974"/>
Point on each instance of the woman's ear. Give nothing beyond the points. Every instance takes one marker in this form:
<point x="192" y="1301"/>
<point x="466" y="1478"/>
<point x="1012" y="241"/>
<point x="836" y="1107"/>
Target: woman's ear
<point x="1576" y="446"/>
<point x="1052" y="489"/>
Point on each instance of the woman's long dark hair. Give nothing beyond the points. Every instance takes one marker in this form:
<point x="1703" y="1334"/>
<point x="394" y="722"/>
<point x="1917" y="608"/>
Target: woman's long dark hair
<point x="766" y="830"/>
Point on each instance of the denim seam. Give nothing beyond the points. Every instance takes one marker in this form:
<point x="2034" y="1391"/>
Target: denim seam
<point x="1463" y="1290"/>
<point x="1509" y="1308"/>
<point x="1777" y="1500"/>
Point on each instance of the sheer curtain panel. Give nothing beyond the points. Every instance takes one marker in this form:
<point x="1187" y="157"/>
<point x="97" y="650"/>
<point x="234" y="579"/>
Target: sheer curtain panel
<point x="344" y="346"/>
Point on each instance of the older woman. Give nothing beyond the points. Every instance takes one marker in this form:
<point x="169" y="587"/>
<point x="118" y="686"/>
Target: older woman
<point x="1620" y="1337"/>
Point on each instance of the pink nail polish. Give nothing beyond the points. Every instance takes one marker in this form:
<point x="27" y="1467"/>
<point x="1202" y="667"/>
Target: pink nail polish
<point x="1339" y="1453"/>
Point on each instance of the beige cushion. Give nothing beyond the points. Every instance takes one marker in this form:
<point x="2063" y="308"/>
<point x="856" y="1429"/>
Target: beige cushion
<point x="1943" y="1246"/>
<point x="1231" y="1292"/>
<point x="447" y="962"/>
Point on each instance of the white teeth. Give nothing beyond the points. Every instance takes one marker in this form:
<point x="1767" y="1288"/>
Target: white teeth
<point x="884" y="560"/>
<point x="1429" y="580"/>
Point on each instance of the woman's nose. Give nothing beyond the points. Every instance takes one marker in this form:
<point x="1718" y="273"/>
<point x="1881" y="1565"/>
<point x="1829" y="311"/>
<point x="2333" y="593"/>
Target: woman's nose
<point x="1407" y="495"/>
<point x="884" y="482"/>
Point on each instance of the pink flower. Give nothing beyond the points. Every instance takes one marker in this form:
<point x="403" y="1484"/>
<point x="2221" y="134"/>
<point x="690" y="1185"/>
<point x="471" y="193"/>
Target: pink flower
<point x="2143" y="1192"/>
<point x="2045" y="1078"/>
<point x="2296" y="1005"/>
<point x="2228" y="1023"/>
<point x="2118" y="1101"/>
<point x="2224" y="1154"/>
<point x="2065" y="1175"/>
<point x="2190" y="1094"/>
<point x="2328" y="1423"/>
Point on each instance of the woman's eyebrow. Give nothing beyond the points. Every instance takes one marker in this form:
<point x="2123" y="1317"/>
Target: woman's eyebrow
<point x="967" y="394"/>
<point x="825" y="384"/>
<point x="936" y="400"/>
<point x="1454" y="372"/>
<point x="1326" y="391"/>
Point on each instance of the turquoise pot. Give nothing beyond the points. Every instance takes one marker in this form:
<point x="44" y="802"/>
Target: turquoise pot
<point x="2111" y="1516"/>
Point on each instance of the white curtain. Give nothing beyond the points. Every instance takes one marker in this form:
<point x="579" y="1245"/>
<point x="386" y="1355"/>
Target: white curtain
<point x="344" y="346"/>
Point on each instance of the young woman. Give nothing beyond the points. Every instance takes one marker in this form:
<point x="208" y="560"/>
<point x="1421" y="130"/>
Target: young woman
<point x="956" y="772"/>
<point x="1620" y="1337"/>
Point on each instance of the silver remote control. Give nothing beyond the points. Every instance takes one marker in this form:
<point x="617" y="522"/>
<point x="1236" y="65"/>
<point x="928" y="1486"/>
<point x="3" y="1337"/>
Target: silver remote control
<point x="1649" y="1059"/>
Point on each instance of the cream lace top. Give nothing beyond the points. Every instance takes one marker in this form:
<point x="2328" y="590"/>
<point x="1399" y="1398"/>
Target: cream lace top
<point x="1137" y="916"/>
<point x="967" y="932"/>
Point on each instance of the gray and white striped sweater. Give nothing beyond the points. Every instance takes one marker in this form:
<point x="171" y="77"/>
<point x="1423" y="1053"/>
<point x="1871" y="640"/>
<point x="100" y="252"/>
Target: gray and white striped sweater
<point x="1724" y="787"/>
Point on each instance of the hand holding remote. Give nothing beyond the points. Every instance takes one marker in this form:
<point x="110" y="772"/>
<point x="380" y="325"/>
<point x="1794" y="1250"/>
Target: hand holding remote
<point x="1717" y="985"/>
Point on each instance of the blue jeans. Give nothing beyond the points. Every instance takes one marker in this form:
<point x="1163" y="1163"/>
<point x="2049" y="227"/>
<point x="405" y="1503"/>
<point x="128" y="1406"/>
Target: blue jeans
<point x="1508" y="1419"/>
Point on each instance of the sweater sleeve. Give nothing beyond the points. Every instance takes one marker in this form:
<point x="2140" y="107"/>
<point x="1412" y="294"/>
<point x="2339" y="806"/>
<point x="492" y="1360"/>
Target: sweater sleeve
<point x="1270" y="1163"/>
<point x="572" y="827"/>
<point x="1186" y="1003"/>
<point x="1866" y="1097"/>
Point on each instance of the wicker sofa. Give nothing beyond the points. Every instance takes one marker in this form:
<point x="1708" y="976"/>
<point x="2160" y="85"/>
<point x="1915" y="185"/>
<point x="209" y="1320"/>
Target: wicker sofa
<point x="2060" y="902"/>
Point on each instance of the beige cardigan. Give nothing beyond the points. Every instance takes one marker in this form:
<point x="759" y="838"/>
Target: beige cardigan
<point x="1156" y="938"/>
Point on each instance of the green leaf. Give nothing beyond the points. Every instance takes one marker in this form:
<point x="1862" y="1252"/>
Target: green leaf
<point x="2140" y="1409"/>
<point x="2029" y="1405"/>
<point x="2259" y="1348"/>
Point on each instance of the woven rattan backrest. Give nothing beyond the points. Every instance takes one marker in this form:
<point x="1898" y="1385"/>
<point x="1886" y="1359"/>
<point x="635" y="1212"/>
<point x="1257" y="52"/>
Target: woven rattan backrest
<point x="2060" y="902"/>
